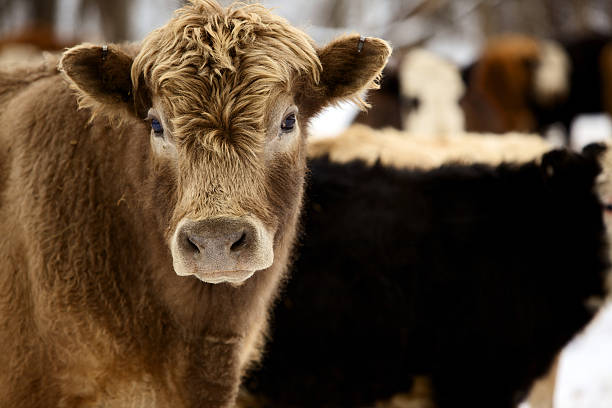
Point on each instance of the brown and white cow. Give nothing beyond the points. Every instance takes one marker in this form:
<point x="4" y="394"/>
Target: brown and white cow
<point x="144" y="236"/>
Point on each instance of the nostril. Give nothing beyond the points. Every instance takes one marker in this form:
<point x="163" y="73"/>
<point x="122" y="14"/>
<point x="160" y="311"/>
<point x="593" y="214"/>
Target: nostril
<point x="193" y="245"/>
<point x="238" y="244"/>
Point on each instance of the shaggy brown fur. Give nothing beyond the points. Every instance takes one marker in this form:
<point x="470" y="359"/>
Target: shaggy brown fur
<point x="91" y="311"/>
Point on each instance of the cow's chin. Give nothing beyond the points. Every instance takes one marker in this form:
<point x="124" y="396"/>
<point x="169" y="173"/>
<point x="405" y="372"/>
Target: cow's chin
<point x="232" y="277"/>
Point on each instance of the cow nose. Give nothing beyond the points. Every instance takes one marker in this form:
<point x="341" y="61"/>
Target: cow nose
<point x="213" y="237"/>
<point x="221" y="249"/>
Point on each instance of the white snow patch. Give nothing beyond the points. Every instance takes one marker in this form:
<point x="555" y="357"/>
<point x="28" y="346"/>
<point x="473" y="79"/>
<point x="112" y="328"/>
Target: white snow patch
<point x="147" y="15"/>
<point x="332" y="121"/>
<point x="458" y="49"/>
<point x="588" y="129"/>
<point x="585" y="369"/>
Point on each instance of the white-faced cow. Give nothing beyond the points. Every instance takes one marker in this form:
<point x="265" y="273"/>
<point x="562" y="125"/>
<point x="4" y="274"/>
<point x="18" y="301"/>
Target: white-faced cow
<point x="143" y="236"/>
<point x="431" y="88"/>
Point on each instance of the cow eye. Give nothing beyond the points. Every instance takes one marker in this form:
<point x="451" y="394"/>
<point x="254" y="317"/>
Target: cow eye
<point x="157" y="127"/>
<point x="288" y="123"/>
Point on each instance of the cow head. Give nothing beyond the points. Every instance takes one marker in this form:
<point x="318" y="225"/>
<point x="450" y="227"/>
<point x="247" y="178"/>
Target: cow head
<point x="431" y="89"/>
<point x="227" y="94"/>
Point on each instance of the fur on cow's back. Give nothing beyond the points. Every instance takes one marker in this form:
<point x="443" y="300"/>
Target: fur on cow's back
<point x="13" y="79"/>
<point x="57" y="194"/>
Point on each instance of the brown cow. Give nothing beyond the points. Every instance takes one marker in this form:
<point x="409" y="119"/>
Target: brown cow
<point x="525" y="84"/>
<point x="103" y="212"/>
<point x="500" y="84"/>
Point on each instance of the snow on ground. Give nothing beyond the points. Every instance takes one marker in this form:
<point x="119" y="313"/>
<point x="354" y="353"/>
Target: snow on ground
<point x="587" y="129"/>
<point x="585" y="370"/>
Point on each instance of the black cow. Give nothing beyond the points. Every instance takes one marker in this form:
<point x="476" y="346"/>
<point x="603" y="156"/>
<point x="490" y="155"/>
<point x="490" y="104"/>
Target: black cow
<point x="474" y="275"/>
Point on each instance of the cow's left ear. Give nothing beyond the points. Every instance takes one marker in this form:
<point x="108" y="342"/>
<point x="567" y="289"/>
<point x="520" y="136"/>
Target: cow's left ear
<point x="350" y="65"/>
<point x="102" y="77"/>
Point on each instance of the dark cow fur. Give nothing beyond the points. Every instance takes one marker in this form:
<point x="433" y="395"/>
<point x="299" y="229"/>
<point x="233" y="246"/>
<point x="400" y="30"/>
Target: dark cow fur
<point x="386" y="103"/>
<point x="472" y="274"/>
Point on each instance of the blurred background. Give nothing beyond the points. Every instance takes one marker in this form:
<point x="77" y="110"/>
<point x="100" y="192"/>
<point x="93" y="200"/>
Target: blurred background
<point x="458" y="31"/>
<point x="495" y="78"/>
<point x="446" y="24"/>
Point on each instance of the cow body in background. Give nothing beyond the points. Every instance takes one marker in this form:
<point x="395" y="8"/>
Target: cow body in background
<point x="144" y="235"/>
<point x="405" y="150"/>
<point x="475" y="275"/>
<point x="524" y="84"/>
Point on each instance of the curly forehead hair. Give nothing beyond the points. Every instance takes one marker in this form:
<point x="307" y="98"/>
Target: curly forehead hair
<point x="215" y="68"/>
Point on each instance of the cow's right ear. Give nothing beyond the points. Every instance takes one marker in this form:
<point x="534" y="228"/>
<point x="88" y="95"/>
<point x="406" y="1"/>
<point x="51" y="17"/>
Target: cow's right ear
<point x="350" y="65"/>
<point x="102" y="77"/>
